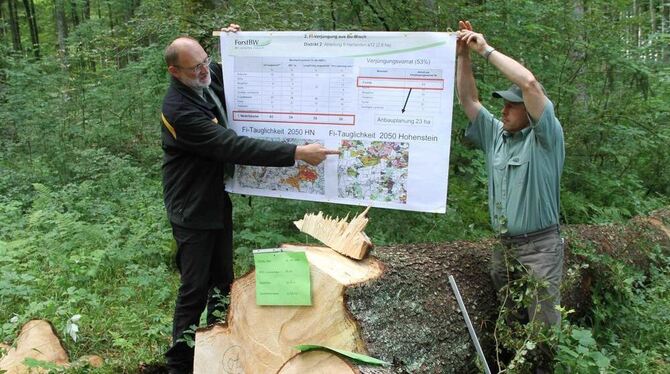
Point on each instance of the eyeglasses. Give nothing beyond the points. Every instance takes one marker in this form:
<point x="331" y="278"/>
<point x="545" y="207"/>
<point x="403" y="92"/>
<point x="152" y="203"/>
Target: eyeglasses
<point x="197" y="68"/>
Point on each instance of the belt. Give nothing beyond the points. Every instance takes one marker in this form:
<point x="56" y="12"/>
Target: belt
<point x="525" y="238"/>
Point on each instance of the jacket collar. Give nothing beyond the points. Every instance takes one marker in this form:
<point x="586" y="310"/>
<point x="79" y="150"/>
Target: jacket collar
<point x="190" y="93"/>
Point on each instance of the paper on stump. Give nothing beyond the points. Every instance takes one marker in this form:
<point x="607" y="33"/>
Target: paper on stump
<point x="282" y="278"/>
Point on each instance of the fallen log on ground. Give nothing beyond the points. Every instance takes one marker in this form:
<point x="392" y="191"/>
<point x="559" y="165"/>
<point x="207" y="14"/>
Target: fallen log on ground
<point x="38" y="341"/>
<point x="397" y="305"/>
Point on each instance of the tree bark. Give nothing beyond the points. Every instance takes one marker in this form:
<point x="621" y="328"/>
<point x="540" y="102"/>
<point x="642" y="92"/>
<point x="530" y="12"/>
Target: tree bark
<point x="29" y="6"/>
<point x="665" y="23"/>
<point x="86" y="10"/>
<point x="397" y="305"/>
<point x="61" y="29"/>
<point x="14" y="26"/>
<point x="3" y="21"/>
<point x="74" y="13"/>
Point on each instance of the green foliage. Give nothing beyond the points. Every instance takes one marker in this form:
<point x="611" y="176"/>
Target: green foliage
<point x="628" y="320"/>
<point x="634" y="302"/>
<point x="578" y="352"/>
<point x="96" y="246"/>
<point x="626" y="330"/>
<point x="82" y="226"/>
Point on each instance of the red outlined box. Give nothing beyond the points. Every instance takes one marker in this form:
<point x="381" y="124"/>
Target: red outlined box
<point x="295" y="117"/>
<point x="433" y="84"/>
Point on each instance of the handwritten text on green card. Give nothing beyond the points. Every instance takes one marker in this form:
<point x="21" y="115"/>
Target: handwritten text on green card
<point x="282" y="278"/>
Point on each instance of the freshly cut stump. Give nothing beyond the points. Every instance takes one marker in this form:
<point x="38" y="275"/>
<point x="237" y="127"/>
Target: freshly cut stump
<point x="260" y="339"/>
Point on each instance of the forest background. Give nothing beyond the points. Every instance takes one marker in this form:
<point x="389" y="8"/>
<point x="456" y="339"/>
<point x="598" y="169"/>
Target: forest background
<point x="82" y="224"/>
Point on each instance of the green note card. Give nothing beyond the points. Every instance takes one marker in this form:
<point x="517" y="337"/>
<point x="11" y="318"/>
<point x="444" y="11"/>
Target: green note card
<point x="282" y="278"/>
<point x="353" y="355"/>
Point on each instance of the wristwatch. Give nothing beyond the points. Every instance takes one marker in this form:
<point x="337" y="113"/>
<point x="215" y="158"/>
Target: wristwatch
<point x="487" y="52"/>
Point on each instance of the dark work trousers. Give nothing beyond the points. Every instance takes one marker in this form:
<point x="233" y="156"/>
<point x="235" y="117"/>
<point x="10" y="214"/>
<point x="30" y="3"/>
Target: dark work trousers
<point x="205" y="262"/>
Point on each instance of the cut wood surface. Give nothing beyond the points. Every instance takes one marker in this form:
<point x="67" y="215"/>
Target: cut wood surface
<point x="38" y="341"/>
<point x="397" y="304"/>
<point x="260" y="339"/>
<point x="345" y="237"/>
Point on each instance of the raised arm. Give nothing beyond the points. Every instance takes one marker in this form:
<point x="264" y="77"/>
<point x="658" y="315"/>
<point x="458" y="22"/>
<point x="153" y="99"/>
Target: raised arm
<point x="533" y="95"/>
<point x="465" y="80"/>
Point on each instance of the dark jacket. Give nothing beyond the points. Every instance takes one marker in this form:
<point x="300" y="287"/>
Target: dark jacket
<point x="195" y="150"/>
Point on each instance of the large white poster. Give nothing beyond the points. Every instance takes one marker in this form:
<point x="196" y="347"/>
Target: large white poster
<point x="384" y="99"/>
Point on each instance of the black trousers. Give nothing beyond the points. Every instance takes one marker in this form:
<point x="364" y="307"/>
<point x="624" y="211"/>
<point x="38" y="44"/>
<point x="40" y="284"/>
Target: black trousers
<point x="205" y="261"/>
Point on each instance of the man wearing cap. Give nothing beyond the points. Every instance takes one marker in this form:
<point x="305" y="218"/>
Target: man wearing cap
<point x="524" y="158"/>
<point x="198" y="150"/>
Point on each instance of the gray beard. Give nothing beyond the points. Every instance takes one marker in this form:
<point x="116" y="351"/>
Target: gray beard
<point x="196" y="85"/>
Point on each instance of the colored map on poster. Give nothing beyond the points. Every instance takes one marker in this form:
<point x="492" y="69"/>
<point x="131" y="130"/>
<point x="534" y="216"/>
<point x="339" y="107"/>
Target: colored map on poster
<point x="302" y="177"/>
<point x="373" y="170"/>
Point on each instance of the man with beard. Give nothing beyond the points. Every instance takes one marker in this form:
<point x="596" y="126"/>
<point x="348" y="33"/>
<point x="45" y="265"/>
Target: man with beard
<point x="199" y="150"/>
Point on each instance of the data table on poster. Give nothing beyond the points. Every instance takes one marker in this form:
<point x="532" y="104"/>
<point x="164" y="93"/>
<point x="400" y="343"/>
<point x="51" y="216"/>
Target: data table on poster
<point x="383" y="99"/>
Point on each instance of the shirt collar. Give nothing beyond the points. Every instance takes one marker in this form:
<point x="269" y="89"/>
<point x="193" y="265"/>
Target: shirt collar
<point x="521" y="134"/>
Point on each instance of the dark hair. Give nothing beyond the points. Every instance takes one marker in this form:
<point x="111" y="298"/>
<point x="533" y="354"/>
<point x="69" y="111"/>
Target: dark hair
<point x="171" y="53"/>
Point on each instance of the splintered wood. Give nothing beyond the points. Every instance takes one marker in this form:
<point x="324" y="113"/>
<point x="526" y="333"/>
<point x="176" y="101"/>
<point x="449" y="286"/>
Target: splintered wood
<point x="345" y="237"/>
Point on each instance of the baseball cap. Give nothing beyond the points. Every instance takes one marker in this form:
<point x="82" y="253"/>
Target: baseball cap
<point x="513" y="94"/>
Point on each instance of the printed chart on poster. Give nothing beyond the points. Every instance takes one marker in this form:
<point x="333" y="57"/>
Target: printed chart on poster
<point x="384" y="99"/>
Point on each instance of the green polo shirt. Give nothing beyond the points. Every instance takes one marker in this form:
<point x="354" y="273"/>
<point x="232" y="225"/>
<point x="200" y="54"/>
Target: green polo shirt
<point x="524" y="171"/>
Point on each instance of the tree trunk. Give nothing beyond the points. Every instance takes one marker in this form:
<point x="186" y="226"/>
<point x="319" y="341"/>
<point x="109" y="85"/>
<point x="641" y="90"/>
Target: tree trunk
<point x="29" y="6"/>
<point x="665" y="23"/>
<point x="74" y="13"/>
<point x="37" y="340"/>
<point x="397" y="305"/>
<point x="110" y="16"/>
<point x="61" y="29"/>
<point x="86" y="10"/>
<point x="3" y="21"/>
<point x="14" y="26"/>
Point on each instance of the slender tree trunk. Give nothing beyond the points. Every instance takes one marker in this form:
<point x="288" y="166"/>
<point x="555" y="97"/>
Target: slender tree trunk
<point x="111" y="16"/>
<point x="14" y="26"/>
<point x="638" y="31"/>
<point x="74" y="13"/>
<point x="578" y="58"/>
<point x="333" y="16"/>
<point x="665" y="22"/>
<point x="652" y="16"/>
<point x="29" y="6"/>
<point x="34" y="18"/>
<point x="86" y="10"/>
<point x="61" y="29"/>
<point x="3" y="21"/>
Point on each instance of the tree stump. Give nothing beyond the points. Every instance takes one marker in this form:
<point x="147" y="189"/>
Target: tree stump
<point x="260" y="339"/>
<point x="397" y="305"/>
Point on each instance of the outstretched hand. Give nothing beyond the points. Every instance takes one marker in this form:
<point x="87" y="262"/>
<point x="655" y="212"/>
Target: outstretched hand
<point x="314" y="153"/>
<point x="467" y="38"/>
